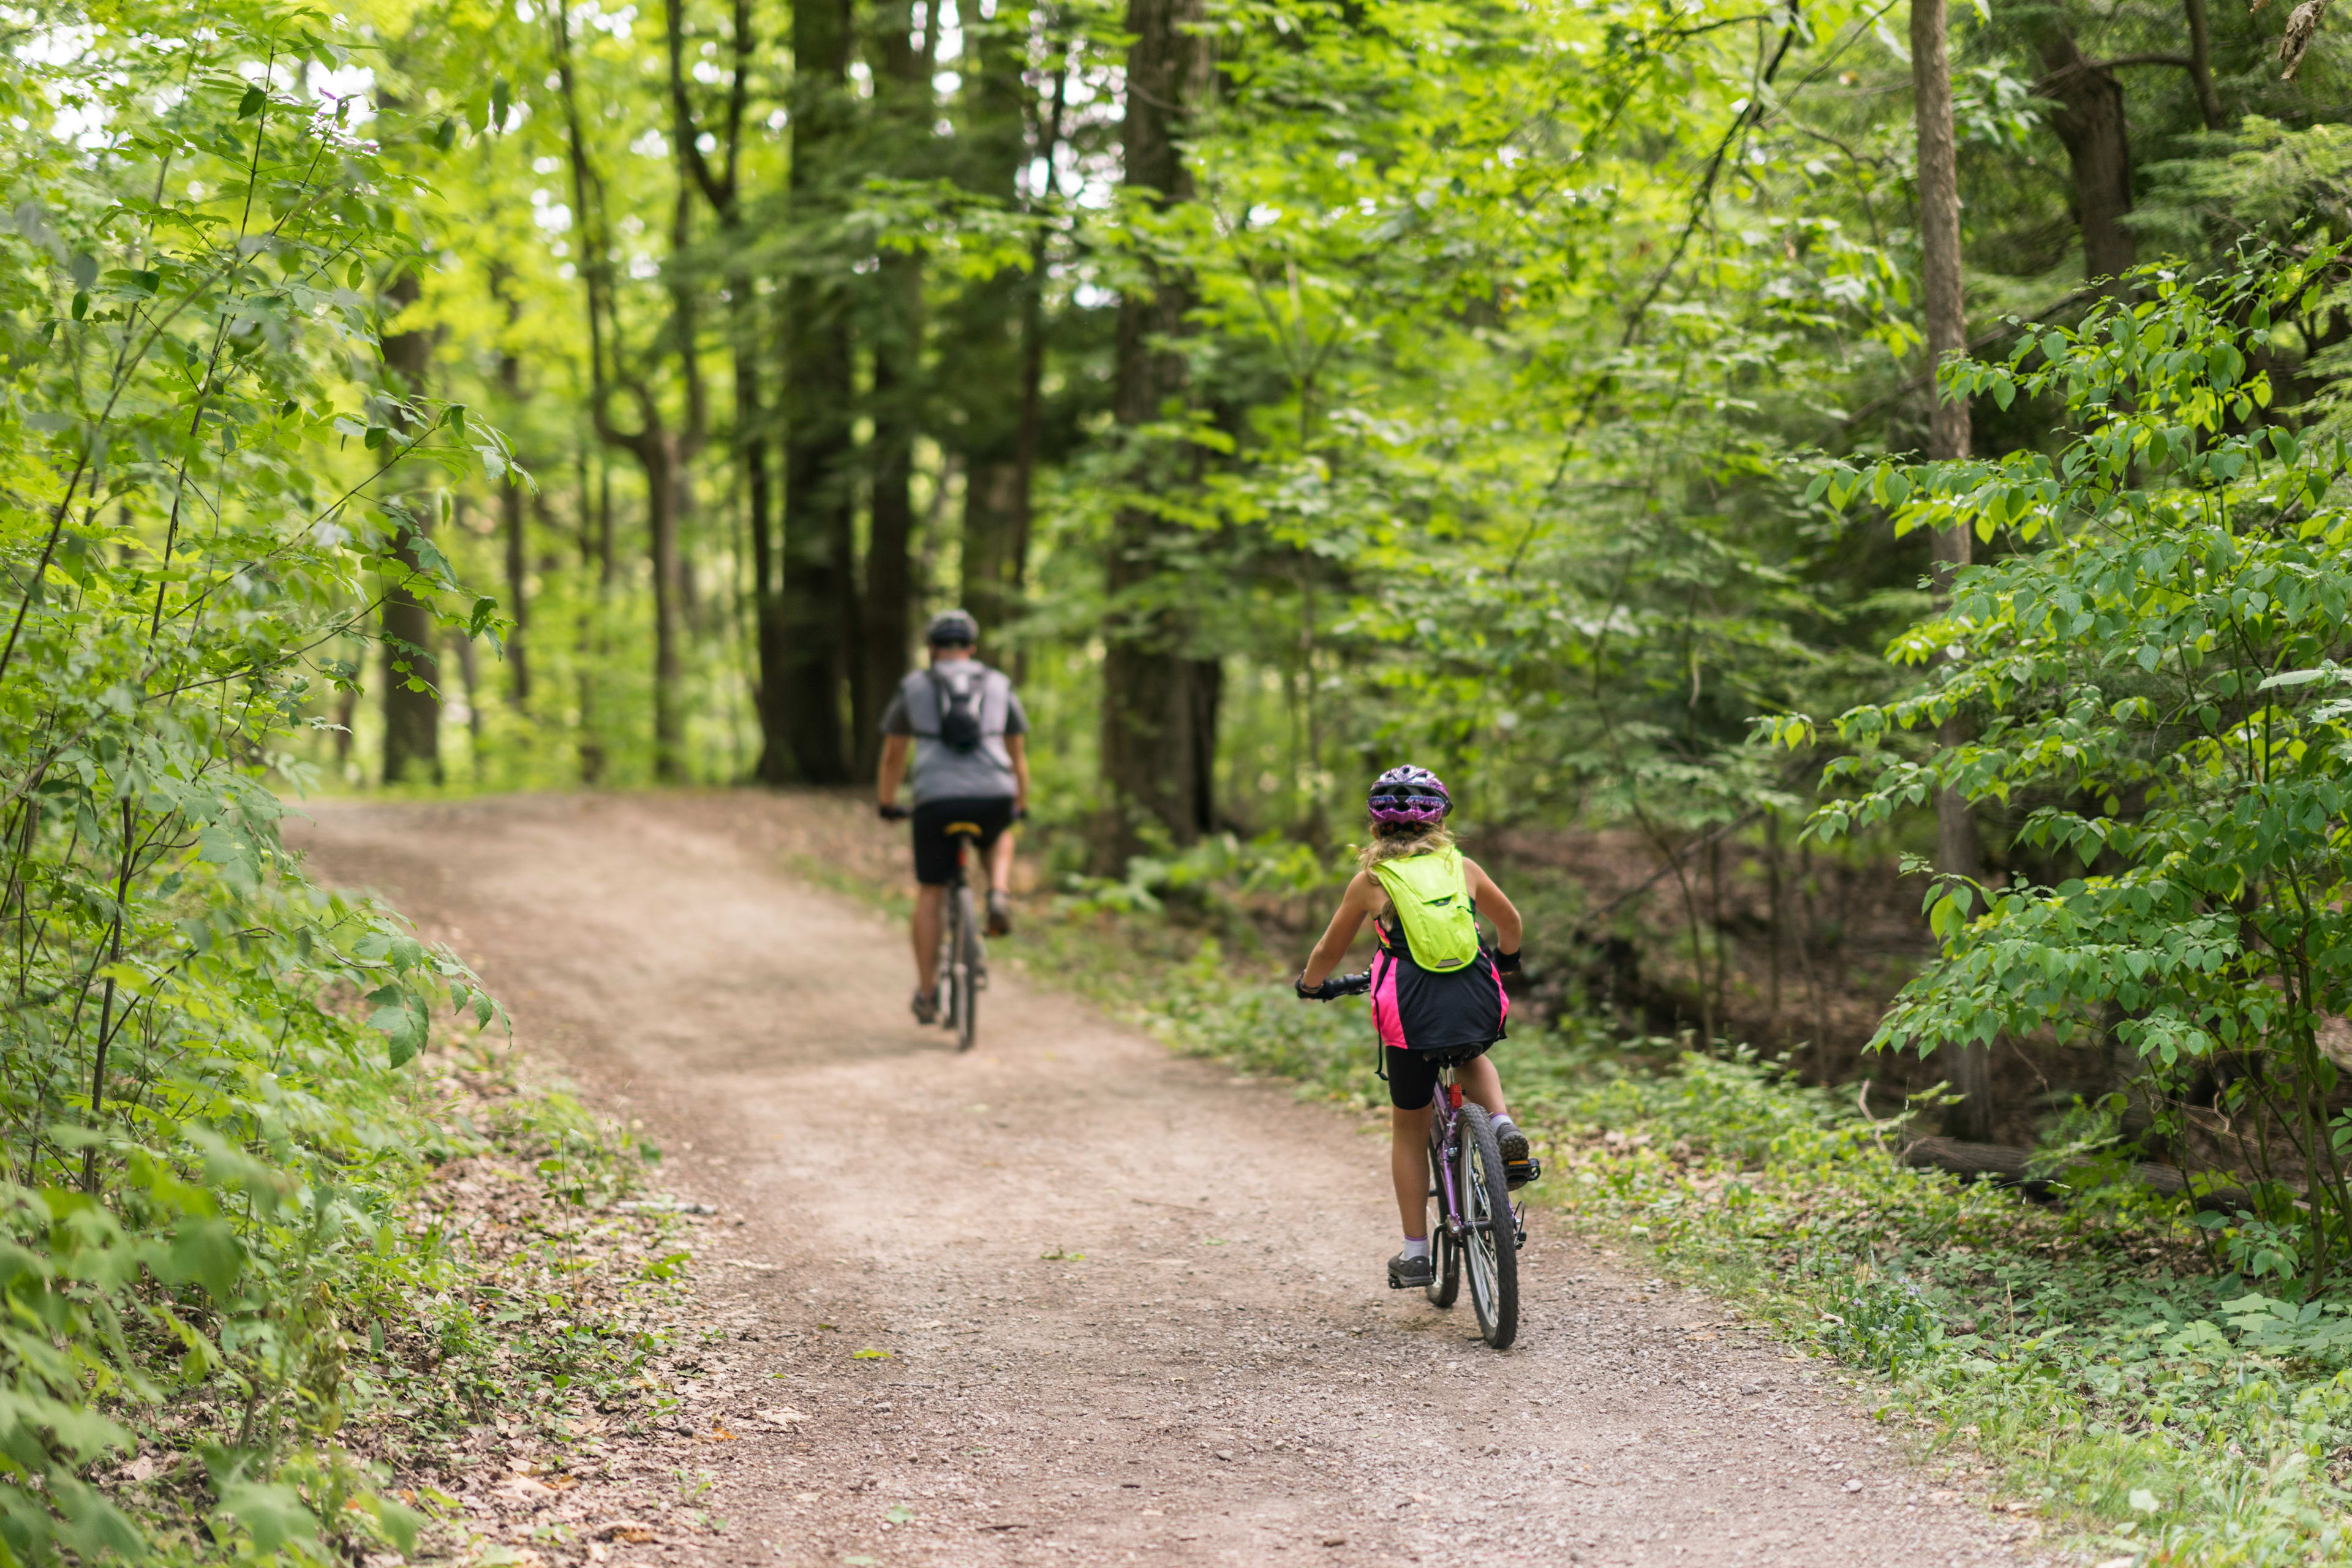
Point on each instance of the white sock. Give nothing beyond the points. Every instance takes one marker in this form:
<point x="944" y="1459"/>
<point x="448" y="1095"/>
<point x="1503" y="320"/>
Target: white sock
<point x="1416" y="1247"/>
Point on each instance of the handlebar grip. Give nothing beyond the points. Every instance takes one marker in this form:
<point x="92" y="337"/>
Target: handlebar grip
<point x="1337" y="987"/>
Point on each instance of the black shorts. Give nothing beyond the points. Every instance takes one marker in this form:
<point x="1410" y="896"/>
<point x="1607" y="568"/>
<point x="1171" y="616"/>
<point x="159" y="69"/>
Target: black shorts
<point x="1413" y="1075"/>
<point x="935" y="850"/>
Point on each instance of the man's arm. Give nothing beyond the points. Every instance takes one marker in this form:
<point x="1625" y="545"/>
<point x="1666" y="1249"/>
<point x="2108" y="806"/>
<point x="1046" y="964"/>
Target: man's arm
<point x="1017" y="748"/>
<point x="894" y="768"/>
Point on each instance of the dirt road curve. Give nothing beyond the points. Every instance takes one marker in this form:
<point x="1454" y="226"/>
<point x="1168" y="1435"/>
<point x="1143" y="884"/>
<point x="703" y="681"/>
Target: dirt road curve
<point x="1135" y="1309"/>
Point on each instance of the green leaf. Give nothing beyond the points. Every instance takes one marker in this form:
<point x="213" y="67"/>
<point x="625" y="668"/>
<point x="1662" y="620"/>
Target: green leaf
<point x="205" y="1251"/>
<point x="254" y="100"/>
<point x="273" y="1513"/>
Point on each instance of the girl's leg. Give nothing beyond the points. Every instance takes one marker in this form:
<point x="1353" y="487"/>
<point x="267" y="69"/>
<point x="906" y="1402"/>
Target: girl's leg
<point x="1481" y="1083"/>
<point x="1409" y="1164"/>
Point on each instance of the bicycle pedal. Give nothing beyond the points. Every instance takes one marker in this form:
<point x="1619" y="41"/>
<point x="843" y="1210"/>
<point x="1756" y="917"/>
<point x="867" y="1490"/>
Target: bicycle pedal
<point x="1514" y="1180"/>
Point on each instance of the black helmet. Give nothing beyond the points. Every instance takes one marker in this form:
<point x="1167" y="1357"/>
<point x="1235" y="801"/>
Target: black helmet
<point x="952" y="628"/>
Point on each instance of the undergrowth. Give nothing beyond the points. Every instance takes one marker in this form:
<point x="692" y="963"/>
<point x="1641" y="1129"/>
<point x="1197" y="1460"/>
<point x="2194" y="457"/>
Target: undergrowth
<point x="476" y="1277"/>
<point x="2084" y="1349"/>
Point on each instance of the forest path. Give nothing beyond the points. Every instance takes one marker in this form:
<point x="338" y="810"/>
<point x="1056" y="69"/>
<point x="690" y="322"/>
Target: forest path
<point x="1223" y="1375"/>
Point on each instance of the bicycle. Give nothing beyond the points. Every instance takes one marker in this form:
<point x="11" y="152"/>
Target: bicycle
<point x="1475" y="1221"/>
<point x="962" y="972"/>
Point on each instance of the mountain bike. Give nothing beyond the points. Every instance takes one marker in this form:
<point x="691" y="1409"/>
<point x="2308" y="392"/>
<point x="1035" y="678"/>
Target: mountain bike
<point x="1474" y="1228"/>
<point x="963" y="958"/>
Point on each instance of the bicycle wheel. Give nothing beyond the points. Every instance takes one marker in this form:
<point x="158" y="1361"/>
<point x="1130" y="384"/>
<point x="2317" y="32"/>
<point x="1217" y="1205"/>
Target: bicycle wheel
<point x="944" y="977"/>
<point x="1444" y="1253"/>
<point x="971" y="963"/>
<point x="1489" y="1233"/>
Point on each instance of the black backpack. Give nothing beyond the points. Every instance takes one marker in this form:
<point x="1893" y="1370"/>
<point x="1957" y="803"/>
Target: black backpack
<point x="959" y="711"/>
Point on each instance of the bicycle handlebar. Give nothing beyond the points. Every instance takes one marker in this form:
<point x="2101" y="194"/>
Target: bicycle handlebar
<point x="1337" y="987"/>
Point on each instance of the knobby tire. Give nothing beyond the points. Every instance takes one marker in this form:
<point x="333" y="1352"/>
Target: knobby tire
<point x="968" y="963"/>
<point x="1489" y="1235"/>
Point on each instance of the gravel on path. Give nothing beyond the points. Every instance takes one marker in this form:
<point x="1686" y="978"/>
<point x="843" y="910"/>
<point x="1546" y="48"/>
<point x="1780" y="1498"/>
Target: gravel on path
<point x="1069" y="1299"/>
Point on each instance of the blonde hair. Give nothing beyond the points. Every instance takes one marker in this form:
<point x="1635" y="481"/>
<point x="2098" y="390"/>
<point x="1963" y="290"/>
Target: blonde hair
<point x="1395" y="840"/>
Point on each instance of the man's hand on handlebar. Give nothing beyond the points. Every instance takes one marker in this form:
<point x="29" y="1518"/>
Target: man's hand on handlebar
<point x="891" y="811"/>
<point x="1337" y="987"/>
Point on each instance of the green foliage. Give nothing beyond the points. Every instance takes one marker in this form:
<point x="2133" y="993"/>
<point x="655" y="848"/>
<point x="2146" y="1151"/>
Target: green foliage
<point x="2149" y="674"/>
<point x="210" y="1127"/>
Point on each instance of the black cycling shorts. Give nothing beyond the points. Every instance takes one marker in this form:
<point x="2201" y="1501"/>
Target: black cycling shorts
<point x="935" y="848"/>
<point x="1413" y="1075"/>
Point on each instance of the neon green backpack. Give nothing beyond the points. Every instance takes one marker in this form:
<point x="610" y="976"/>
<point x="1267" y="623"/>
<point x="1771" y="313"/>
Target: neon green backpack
<point x="1431" y="899"/>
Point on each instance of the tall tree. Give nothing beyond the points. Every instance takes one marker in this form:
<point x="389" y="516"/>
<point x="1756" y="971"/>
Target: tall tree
<point x="1959" y="855"/>
<point x="1158" y="709"/>
<point x="984" y="353"/>
<point x="412" y="702"/>
<point x="513" y="521"/>
<point x="900" y="134"/>
<point x="819" y="611"/>
<point x="662" y="450"/>
<point x="2090" y="121"/>
<point x="752" y="432"/>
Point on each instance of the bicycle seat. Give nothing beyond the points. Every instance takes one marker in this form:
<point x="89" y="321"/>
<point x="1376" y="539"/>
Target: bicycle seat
<point x="1453" y="1057"/>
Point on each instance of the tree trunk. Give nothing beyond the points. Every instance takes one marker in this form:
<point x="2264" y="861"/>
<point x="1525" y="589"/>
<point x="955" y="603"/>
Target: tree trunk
<point x="1957" y="853"/>
<point x="905" y="105"/>
<point x="775" y="763"/>
<point x="1155" y="752"/>
<point x="513" y="522"/>
<point x="657" y="451"/>
<point x="412" y="705"/>
<point x="986" y="354"/>
<point x="897" y="415"/>
<point x="2090" y="121"/>
<point x="518" y="543"/>
<point x="1029" y="436"/>
<point x="2200" y="66"/>
<point x="818" y="612"/>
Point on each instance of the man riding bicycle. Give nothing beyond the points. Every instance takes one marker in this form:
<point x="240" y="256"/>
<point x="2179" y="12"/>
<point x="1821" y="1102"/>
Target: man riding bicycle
<point x="971" y="765"/>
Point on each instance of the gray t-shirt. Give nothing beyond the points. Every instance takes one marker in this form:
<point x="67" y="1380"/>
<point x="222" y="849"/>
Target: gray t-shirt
<point x="941" y="772"/>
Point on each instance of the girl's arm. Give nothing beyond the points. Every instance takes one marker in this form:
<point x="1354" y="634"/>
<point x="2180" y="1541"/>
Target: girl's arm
<point x="1494" y="907"/>
<point x="1345" y="923"/>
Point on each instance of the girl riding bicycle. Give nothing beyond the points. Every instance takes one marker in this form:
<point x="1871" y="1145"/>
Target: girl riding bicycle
<point x="1436" y="985"/>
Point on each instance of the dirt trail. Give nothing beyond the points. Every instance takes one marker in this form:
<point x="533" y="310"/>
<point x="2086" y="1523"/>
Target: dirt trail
<point x="1134" y="1307"/>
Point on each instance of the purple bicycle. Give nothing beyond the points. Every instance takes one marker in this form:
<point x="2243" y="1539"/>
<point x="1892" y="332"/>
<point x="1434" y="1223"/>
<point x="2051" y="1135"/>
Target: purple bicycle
<point x="1474" y="1223"/>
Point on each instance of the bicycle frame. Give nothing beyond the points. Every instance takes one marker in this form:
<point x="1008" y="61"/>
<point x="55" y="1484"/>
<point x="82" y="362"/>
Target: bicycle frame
<point x="1445" y="1135"/>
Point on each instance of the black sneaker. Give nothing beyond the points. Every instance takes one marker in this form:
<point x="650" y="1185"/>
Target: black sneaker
<point x="927" y="1006"/>
<point x="1407" y="1272"/>
<point x="1000" y="913"/>
<point x="1520" y="1167"/>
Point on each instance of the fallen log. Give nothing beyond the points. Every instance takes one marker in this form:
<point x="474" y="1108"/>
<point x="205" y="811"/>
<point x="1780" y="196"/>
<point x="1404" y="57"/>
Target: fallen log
<point x="2006" y="1165"/>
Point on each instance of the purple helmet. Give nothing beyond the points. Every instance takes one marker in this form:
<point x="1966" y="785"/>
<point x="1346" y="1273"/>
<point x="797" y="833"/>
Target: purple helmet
<point x="1408" y="794"/>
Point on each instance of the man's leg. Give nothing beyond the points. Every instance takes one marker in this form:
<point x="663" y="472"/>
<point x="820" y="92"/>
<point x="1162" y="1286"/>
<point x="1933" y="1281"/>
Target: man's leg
<point x="929" y="904"/>
<point x="999" y="862"/>
<point x="1408" y="1165"/>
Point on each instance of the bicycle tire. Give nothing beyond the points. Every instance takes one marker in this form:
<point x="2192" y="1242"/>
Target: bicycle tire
<point x="943" y="976"/>
<point x="1489" y="1238"/>
<point x="970" y="961"/>
<point x="1444" y="1285"/>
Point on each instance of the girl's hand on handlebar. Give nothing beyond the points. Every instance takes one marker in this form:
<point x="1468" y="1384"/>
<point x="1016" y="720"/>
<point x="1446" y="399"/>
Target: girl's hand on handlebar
<point x="890" y="811"/>
<point x="1337" y="987"/>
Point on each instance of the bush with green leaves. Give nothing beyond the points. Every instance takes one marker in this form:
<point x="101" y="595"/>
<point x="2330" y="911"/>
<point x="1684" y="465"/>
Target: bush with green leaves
<point x="204" y="490"/>
<point x="2148" y="667"/>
